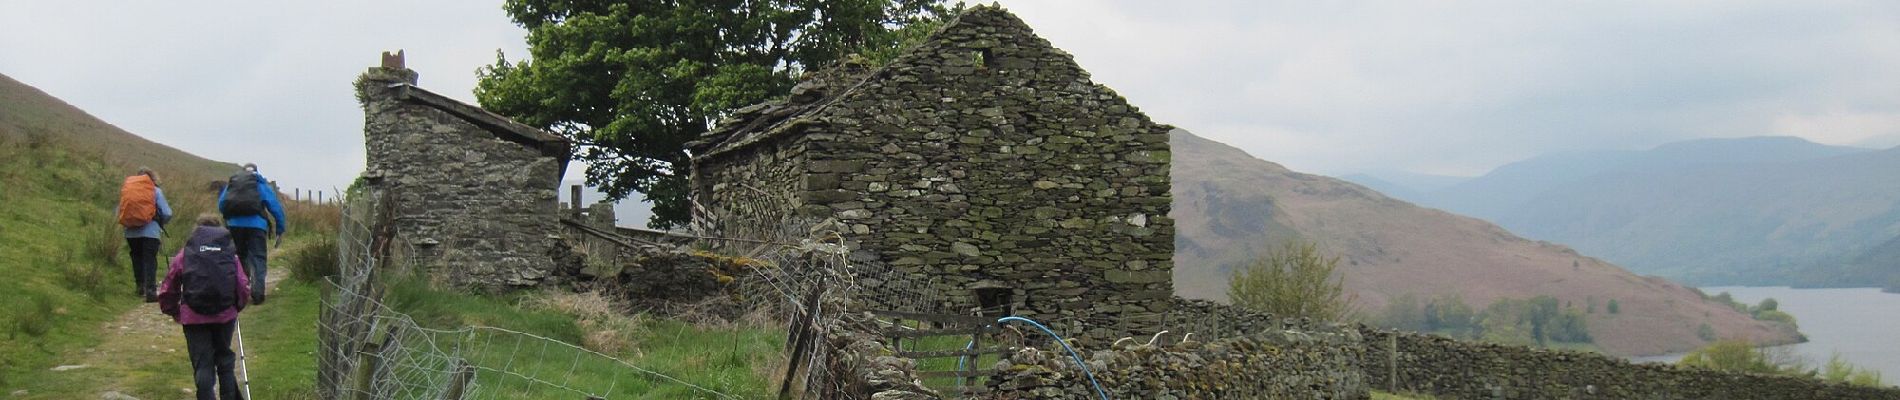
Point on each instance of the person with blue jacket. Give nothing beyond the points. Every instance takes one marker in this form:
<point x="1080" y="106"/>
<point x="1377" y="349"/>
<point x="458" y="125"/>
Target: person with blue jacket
<point x="248" y="227"/>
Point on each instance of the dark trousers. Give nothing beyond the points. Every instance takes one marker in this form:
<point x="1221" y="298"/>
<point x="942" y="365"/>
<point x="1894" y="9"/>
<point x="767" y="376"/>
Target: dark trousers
<point x="144" y="263"/>
<point x="252" y="248"/>
<point x="213" y="365"/>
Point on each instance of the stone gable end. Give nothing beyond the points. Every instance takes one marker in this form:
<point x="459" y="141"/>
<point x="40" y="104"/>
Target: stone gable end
<point x="981" y="169"/>
<point x="473" y="195"/>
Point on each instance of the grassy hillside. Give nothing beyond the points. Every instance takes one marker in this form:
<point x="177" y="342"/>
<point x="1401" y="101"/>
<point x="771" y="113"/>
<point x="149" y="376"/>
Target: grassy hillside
<point x="64" y="255"/>
<point x="63" y="260"/>
<point x="31" y="112"/>
<point x="1228" y="204"/>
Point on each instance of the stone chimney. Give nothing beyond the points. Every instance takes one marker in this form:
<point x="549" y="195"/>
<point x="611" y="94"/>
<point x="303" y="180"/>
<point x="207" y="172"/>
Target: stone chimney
<point x="394" y="70"/>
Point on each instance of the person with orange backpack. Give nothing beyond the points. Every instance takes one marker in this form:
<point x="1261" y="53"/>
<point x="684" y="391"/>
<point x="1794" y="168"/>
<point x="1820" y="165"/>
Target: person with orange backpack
<point x="143" y="212"/>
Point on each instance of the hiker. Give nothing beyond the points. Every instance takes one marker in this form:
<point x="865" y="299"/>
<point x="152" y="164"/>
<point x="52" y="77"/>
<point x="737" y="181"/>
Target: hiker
<point x="143" y="212"/>
<point x="204" y="290"/>
<point x="244" y="200"/>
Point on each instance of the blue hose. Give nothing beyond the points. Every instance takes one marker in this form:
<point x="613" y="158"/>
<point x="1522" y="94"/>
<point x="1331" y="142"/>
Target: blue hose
<point x="1065" y="346"/>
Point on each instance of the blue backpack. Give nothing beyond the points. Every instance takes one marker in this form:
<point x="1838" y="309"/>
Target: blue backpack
<point x="209" y="277"/>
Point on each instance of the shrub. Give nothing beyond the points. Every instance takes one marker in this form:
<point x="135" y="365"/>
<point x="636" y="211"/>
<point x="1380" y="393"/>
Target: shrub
<point x="91" y="278"/>
<point x="1295" y="280"/>
<point x="36" y="319"/>
<point x="1741" y="356"/>
<point x="1839" y="370"/>
<point x="1612" y="307"/>
<point x="314" y="260"/>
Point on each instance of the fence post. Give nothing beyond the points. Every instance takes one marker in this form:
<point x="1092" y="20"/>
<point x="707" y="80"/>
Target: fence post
<point x="1392" y="362"/>
<point x="802" y="335"/>
<point x="367" y="362"/>
<point x="459" y="383"/>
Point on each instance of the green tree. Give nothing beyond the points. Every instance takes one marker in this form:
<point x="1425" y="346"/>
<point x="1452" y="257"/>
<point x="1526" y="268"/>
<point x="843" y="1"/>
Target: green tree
<point x="1611" y="307"/>
<point x="630" y="82"/>
<point x="1453" y="316"/>
<point x="1294" y="280"/>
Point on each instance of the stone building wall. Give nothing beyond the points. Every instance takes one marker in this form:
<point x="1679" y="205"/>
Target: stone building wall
<point x="982" y="159"/>
<point x="471" y="208"/>
<point x="752" y="194"/>
<point x="1449" y="368"/>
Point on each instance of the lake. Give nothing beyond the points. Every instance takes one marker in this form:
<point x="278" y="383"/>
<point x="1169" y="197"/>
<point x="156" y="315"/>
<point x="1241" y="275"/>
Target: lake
<point x="1863" y="325"/>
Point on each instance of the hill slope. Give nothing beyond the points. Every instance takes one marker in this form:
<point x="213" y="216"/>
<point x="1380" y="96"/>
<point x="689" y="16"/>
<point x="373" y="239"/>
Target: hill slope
<point x="64" y="257"/>
<point x="26" y="112"/>
<point x="1228" y="203"/>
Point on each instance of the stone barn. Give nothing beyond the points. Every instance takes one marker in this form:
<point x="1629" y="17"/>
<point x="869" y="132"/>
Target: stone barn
<point x="471" y="195"/>
<point x="980" y="171"/>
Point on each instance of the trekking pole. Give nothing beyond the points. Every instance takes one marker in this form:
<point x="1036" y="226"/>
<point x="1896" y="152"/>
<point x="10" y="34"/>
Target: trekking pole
<point x="242" y="366"/>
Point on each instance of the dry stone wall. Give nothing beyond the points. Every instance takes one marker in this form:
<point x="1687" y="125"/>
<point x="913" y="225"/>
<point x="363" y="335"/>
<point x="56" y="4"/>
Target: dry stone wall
<point x="1466" y="370"/>
<point x="1273" y="364"/>
<point x="471" y="208"/>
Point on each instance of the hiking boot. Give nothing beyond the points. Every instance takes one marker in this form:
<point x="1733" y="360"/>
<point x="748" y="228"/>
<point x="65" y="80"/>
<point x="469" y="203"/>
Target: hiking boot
<point x="257" y="299"/>
<point x="151" y="297"/>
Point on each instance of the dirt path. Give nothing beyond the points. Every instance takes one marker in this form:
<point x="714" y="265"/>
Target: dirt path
<point x="141" y="352"/>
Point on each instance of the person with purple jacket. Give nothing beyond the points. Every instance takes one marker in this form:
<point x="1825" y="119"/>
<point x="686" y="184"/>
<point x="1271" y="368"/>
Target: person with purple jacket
<point x="194" y="294"/>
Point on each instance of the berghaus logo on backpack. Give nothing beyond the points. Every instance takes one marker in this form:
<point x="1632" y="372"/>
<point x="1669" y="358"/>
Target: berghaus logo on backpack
<point x="209" y="277"/>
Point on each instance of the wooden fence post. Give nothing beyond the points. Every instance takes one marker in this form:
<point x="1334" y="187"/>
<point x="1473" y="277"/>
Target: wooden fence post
<point x="802" y="334"/>
<point x="1392" y="363"/>
<point x="459" y="383"/>
<point x="367" y="360"/>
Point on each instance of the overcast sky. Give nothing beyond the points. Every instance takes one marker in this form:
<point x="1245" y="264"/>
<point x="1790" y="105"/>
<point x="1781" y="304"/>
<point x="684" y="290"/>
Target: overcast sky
<point x="1326" y="87"/>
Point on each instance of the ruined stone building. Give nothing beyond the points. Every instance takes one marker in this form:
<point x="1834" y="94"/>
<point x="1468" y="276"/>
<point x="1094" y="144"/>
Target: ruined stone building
<point x="471" y="194"/>
<point x="981" y="170"/>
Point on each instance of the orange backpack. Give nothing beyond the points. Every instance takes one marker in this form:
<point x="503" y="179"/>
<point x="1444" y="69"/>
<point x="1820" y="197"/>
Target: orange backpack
<point x="138" y="201"/>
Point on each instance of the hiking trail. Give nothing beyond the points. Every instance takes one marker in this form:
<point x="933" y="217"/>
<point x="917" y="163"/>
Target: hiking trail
<point x="143" y="350"/>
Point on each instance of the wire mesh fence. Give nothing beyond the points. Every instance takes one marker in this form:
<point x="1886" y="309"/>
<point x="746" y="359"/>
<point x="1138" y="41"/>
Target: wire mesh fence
<point x="368" y="350"/>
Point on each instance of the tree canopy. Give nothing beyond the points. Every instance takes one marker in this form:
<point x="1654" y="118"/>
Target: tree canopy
<point x="631" y="81"/>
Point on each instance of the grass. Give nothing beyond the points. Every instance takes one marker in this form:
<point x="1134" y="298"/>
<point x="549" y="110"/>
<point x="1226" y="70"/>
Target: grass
<point x="65" y="259"/>
<point x="61" y="254"/>
<point x="732" y="358"/>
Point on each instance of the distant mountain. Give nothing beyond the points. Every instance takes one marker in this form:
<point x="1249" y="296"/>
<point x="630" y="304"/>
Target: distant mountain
<point x="26" y="111"/>
<point x="1877" y="266"/>
<point x="1502" y="191"/>
<point x="1404" y="185"/>
<point x="1228" y="206"/>
<point x="1708" y="212"/>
